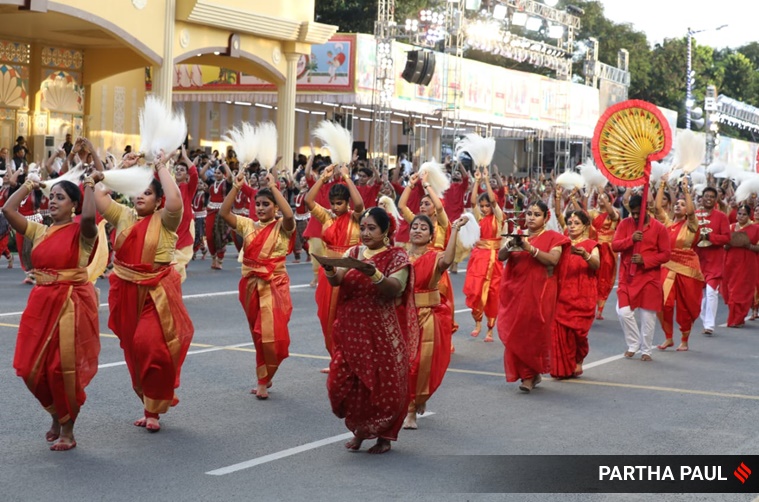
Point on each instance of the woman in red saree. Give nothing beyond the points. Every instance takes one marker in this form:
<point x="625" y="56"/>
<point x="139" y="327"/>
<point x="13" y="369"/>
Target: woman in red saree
<point x="339" y="233"/>
<point x="528" y="298"/>
<point x="265" y="285"/>
<point x="432" y="207"/>
<point x="739" y="273"/>
<point x="376" y="335"/>
<point x="681" y="277"/>
<point x="430" y="363"/>
<point x="58" y="340"/>
<point x="576" y="301"/>
<point x="605" y="224"/>
<point x="145" y="299"/>
<point x="483" y="278"/>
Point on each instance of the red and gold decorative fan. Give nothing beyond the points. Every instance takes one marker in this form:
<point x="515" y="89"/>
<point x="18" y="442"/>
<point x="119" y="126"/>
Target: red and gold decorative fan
<point x="628" y="137"/>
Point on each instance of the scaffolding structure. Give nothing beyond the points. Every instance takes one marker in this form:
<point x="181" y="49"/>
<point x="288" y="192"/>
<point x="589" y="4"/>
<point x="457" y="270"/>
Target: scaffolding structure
<point x="384" y="82"/>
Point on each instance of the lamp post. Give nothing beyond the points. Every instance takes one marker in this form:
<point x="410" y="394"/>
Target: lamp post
<point x="690" y="75"/>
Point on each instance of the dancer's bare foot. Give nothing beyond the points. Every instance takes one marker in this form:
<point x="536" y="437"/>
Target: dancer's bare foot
<point x="312" y="284"/>
<point x="152" y="425"/>
<point x="683" y="347"/>
<point x="420" y="409"/>
<point x="453" y="349"/>
<point x="667" y="344"/>
<point x="66" y="441"/>
<point x="410" y="422"/>
<point x="489" y="336"/>
<point x="324" y="370"/>
<point x="354" y="444"/>
<point x="54" y="432"/>
<point x="141" y="422"/>
<point x="261" y="391"/>
<point x="578" y="369"/>
<point x="600" y="315"/>
<point x="477" y="328"/>
<point x="382" y="446"/>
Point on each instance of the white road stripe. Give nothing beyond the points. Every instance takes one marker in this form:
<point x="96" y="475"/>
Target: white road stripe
<point x="602" y="361"/>
<point x="287" y="453"/>
<point x="192" y="352"/>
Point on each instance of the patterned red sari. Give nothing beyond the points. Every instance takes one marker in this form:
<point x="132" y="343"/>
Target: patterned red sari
<point x="739" y="277"/>
<point x="339" y="234"/>
<point x="148" y="315"/>
<point x="265" y="294"/>
<point x="435" y="325"/>
<point x="59" y="338"/>
<point x="607" y="273"/>
<point x="575" y="311"/>
<point x="374" y="340"/>
<point x="527" y="307"/>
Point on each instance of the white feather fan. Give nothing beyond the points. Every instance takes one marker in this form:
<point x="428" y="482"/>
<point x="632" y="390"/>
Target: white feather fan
<point x="658" y="169"/>
<point x="698" y="178"/>
<point x="337" y="140"/>
<point x="267" y="144"/>
<point x="130" y="182"/>
<point x="689" y="152"/>
<point x="390" y="208"/>
<point x="699" y="188"/>
<point x="72" y="175"/>
<point x="469" y="234"/>
<point x="436" y="176"/>
<point x="592" y="175"/>
<point x="748" y="187"/>
<point x="160" y="128"/>
<point x="674" y="177"/>
<point x="244" y="142"/>
<point x="480" y="149"/>
<point x="715" y="168"/>
<point x="570" y="180"/>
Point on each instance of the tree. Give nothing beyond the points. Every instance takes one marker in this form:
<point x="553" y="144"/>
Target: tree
<point x="358" y="16"/>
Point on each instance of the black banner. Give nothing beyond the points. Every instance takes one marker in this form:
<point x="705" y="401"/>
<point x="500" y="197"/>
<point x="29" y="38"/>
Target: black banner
<point x="595" y="473"/>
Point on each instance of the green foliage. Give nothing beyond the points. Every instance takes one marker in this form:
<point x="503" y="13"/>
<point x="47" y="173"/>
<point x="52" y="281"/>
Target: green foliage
<point x="358" y="16"/>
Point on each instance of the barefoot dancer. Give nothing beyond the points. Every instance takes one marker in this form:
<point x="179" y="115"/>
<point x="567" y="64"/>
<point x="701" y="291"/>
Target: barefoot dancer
<point x="339" y="233"/>
<point x="576" y="301"/>
<point x="682" y="281"/>
<point x="186" y="174"/>
<point x="528" y="298"/>
<point x="375" y="333"/>
<point x="739" y="276"/>
<point x="145" y="299"/>
<point x="216" y="230"/>
<point x="58" y="340"/>
<point x="433" y="355"/>
<point x="483" y="277"/>
<point x="605" y="223"/>
<point x="265" y="285"/>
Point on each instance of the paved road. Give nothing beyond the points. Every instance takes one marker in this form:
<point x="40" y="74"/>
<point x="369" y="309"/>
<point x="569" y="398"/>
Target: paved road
<point x="700" y="402"/>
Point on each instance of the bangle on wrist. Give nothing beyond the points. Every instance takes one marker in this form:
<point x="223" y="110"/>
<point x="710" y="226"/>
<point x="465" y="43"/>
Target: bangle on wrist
<point x="535" y="252"/>
<point x="377" y="277"/>
<point x="29" y="184"/>
<point x="331" y="272"/>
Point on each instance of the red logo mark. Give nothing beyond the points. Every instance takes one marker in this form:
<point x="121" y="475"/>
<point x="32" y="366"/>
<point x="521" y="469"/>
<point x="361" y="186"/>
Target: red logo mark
<point x="742" y="473"/>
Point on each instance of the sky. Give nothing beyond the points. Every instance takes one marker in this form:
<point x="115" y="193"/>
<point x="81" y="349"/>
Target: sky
<point x="660" y="19"/>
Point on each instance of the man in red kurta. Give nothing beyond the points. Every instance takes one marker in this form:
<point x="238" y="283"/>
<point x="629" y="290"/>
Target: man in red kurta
<point x="647" y="251"/>
<point x="715" y="231"/>
<point x="455" y="198"/>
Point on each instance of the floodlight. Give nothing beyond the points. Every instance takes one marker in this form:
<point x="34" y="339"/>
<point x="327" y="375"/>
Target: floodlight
<point x="500" y="11"/>
<point x="556" y="31"/>
<point x="534" y="24"/>
<point x="519" y="19"/>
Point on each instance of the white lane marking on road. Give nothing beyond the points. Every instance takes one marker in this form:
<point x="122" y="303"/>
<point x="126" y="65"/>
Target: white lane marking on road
<point x="192" y="352"/>
<point x="602" y="361"/>
<point x="184" y="297"/>
<point x="287" y="453"/>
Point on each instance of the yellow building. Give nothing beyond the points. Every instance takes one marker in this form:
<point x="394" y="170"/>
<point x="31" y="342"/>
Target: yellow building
<point x="79" y="66"/>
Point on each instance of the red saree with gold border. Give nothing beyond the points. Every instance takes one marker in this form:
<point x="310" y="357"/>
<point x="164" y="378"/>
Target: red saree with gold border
<point x="59" y="339"/>
<point x="148" y="315"/>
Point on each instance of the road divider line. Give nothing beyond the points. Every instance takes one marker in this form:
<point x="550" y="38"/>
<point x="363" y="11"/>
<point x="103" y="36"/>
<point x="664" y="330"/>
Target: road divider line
<point x="663" y="389"/>
<point x="287" y="453"/>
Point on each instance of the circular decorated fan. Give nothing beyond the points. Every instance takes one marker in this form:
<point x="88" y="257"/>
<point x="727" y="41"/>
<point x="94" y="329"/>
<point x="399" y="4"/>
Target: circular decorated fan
<point x="628" y="137"/>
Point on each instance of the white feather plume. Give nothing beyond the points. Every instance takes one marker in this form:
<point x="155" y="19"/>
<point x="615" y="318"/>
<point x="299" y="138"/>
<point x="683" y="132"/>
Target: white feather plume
<point x="480" y="149"/>
<point x="592" y="175"/>
<point x="390" y="208"/>
<point x="72" y="175"/>
<point x="267" y="144"/>
<point x="748" y="187"/>
<point x="436" y="176"/>
<point x="698" y="178"/>
<point x="469" y="234"/>
<point x="160" y="127"/>
<point x="699" y="188"/>
<point x="570" y="180"/>
<point x="689" y="152"/>
<point x="716" y="167"/>
<point x="130" y="182"/>
<point x="336" y="139"/>
<point x="674" y="177"/>
<point x="244" y="141"/>
<point x="658" y="169"/>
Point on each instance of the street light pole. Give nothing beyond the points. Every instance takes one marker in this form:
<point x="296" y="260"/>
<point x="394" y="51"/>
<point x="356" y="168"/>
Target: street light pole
<point x="690" y="76"/>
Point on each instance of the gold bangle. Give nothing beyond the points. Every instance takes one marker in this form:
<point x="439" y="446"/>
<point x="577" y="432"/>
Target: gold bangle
<point x="377" y="277"/>
<point x="29" y="184"/>
<point x="237" y="185"/>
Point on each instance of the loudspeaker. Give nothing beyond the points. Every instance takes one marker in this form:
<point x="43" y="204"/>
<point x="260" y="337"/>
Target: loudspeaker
<point x="420" y="67"/>
<point x="412" y="73"/>
<point x="429" y="68"/>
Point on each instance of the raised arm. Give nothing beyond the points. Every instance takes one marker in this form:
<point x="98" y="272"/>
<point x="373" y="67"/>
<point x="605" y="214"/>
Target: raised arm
<point x="497" y="211"/>
<point x="95" y="157"/>
<point x="288" y="218"/>
<point x="403" y="201"/>
<point x="358" y="201"/>
<point x="10" y="209"/>
<point x="661" y="214"/>
<point x="449" y="254"/>
<point x="225" y="211"/>
<point x="311" y="195"/>
<point x="88" y="223"/>
<point x="557" y="207"/>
